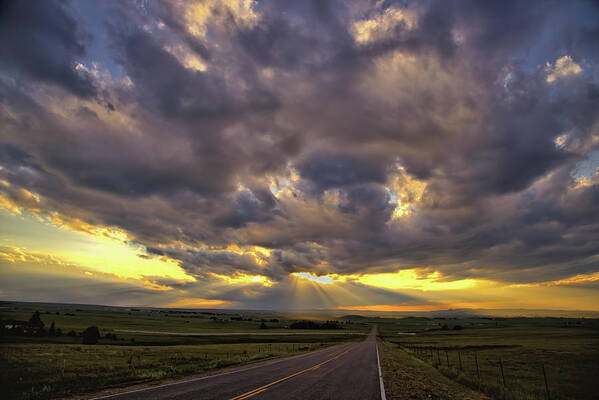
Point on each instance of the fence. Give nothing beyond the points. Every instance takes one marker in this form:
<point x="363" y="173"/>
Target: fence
<point x="484" y="372"/>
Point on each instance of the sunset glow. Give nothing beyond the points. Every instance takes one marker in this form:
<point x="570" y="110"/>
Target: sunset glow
<point x="323" y="279"/>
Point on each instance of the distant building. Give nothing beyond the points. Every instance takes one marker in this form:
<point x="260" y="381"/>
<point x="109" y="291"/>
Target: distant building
<point x="11" y="324"/>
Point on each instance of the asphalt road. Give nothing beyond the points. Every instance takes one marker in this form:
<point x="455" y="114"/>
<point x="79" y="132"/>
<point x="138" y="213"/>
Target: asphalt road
<point x="348" y="371"/>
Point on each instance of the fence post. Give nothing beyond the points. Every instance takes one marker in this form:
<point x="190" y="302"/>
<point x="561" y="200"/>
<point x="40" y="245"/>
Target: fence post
<point x="502" y="374"/>
<point x="546" y="384"/>
<point x="460" y="360"/>
<point x="477" y="370"/>
<point x="447" y="358"/>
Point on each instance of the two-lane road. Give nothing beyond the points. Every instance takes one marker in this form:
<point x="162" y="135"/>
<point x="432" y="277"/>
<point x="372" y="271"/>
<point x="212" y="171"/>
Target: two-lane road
<point x="348" y="371"/>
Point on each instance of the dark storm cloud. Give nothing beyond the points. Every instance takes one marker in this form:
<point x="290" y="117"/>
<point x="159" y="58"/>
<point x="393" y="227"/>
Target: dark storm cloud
<point x="371" y="203"/>
<point x="249" y="206"/>
<point x="454" y="93"/>
<point x="42" y="41"/>
<point x="12" y="155"/>
<point x="329" y="170"/>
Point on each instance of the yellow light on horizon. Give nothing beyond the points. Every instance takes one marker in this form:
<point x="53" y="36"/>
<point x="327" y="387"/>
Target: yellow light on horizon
<point x="197" y="303"/>
<point x="245" y="279"/>
<point x="410" y="279"/>
<point x="324" y="279"/>
<point x="260" y="254"/>
<point x="96" y="248"/>
<point x="407" y="279"/>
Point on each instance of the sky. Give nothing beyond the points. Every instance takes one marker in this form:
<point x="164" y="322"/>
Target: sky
<point x="349" y="155"/>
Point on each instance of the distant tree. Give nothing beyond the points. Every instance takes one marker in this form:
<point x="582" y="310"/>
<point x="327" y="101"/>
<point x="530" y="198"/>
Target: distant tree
<point x="457" y="327"/>
<point x="72" y="333"/>
<point x="444" y="327"/>
<point x="35" y="321"/>
<point x="58" y="332"/>
<point x="263" y="326"/>
<point x="328" y="325"/>
<point x="331" y="325"/>
<point x="52" y="330"/>
<point x="91" y="335"/>
<point x="274" y="320"/>
<point x="304" y="325"/>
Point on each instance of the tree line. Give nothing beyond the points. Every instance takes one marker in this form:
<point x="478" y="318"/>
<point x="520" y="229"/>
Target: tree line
<point x="35" y="327"/>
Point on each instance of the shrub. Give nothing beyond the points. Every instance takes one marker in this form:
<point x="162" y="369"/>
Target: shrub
<point x="91" y="335"/>
<point x="35" y="321"/>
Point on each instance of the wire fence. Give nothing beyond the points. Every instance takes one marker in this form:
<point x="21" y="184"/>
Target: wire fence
<point x="487" y="372"/>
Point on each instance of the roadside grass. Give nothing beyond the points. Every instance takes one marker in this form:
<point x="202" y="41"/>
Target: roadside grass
<point x="511" y="359"/>
<point x="406" y="377"/>
<point x="42" y="371"/>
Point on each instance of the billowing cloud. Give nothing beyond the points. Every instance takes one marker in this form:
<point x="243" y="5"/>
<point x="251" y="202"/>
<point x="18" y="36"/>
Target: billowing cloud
<point x="564" y="66"/>
<point x="244" y="141"/>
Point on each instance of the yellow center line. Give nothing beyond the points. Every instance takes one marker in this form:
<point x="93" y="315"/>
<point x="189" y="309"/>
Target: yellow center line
<point x="312" y="368"/>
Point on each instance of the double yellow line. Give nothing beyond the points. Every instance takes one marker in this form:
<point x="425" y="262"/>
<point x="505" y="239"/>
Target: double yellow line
<point x="314" y="367"/>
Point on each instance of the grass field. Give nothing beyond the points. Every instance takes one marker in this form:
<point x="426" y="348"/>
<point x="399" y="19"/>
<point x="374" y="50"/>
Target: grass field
<point x="510" y="353"/>
<point x="49" y="367"/>
<point x="112" y="318"/>
<point x="45" y="370"/>
<point x="407" y="378"/>
<point x="421" y="356"/>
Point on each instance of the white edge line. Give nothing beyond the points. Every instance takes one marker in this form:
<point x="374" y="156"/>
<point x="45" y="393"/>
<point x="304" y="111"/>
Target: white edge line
<point x="383" y="397"/>
<point x="275" y="361"/>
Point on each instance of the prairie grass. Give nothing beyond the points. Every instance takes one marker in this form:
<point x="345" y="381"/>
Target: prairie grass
<point x="46" y="370"/>
<point x="511" y="359"/>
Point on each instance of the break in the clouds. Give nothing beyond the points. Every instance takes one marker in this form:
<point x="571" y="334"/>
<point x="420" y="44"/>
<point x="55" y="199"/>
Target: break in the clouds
<point x="241" y="142"/>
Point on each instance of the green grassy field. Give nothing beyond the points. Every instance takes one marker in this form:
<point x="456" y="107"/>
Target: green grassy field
<point x="111" y="319"/>
<point x="35" y="371"/>
<point x="45" y="367"/>
<point x="511" y="354"/>
<point x="407" y="378"/>
<point x="421" y="356"/>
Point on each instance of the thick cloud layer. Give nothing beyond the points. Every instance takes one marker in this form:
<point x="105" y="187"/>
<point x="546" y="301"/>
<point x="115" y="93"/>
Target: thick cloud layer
<point x="343" y="137"/>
